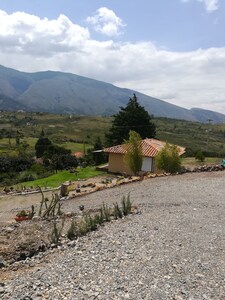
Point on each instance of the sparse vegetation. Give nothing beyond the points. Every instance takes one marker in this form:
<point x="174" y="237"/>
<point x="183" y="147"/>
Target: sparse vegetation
<point x="117" y="212"/>
<point x="56" y="232"/>
<point x="51" y="208"/>
<point x="106" y="212"/>
<point x="126" y="205"/>
<point x="90" y="222"/>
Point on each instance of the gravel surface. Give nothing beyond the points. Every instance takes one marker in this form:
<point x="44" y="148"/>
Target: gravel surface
<point x="173" y="249"/>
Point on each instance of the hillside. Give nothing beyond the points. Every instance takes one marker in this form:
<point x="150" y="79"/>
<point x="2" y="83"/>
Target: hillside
<point x="67" y="130"/>
<point x="58" y="92"/>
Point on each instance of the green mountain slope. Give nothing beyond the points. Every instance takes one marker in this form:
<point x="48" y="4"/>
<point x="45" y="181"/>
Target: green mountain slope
<point x="59" y="92"/>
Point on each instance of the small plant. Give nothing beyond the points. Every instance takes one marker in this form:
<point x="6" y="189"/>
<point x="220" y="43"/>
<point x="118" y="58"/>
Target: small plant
<point x="98" y="220"/>
<point x="106" y="212"/>
<point x="126" y="205"/>
<point x="32" y="212"/>
<point x="117" y="211"/>
<point x="56" y="233"/>
<point x="22" y="213"/>
<point x="82" y="227"/>
<point x="71" y="233"/>
<point x="25" y="214"/>
<point x="101" y="216"/>
<point x="91" y="223"/>
<point x="52" y="209"/>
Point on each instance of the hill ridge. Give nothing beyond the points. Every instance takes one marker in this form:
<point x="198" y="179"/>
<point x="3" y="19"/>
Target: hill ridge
<point x="59" y="92"/>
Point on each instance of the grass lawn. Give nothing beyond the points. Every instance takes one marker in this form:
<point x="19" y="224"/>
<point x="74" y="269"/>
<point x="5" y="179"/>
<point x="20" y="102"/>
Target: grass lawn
<point x="56" y="180"/>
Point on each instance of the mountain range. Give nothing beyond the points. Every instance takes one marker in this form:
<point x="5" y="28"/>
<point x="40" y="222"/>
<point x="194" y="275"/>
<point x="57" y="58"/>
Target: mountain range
<point x="58" y="92"/>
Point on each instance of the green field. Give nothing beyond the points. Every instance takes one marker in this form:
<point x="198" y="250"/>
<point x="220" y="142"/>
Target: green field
<point x="191" y="161"/>
<point x="57" y="179"/>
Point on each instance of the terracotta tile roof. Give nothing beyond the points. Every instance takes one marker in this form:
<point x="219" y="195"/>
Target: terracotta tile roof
<point x="78" y="154"/>
<point x="150" y="148"/>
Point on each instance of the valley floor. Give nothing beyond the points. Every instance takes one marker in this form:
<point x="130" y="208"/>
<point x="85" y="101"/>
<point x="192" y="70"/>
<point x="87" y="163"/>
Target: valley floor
<point x="173" y="249"/>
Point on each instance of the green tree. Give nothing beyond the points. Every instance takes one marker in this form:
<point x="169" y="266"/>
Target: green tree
<point x="168" y="159"/>
<point x="18" y="137"/>
<point x="23" y="148"/>
<point x="42" y="146"/>
<point x="45" y="148"/>
<point x="98" y="157"/>
<point x="132" y="117"/>
<point x="133" y="156"/>
<point x="200" y="156"/>
<point x="64" y="161"/>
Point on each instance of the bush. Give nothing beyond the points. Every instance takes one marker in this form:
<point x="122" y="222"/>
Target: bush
<point x="27" y="176"/>
<point x="71" y="233"/>
<point x="82" y="227"/>
<point x="38" y="169"/>
<point x="168" y="159"/>
<point x="200" y="156"/>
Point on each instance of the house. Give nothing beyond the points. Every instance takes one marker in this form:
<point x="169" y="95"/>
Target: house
<point x="150" y="149"/>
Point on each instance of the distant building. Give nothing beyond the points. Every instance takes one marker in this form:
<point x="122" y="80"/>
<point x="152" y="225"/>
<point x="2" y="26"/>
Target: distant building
<point x="78" y="154"/>
<point x="150" y="149"/>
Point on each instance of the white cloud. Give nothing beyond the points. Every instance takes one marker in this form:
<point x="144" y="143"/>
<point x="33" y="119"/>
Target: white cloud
<point x="106" y="22"/>
<point x="25" y="33"/>
<point x="210" y="5"/>
<point x="188" y="79"/>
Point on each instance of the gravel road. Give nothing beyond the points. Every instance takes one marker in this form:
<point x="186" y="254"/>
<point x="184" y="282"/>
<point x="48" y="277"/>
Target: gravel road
<point x="173" y="249"/>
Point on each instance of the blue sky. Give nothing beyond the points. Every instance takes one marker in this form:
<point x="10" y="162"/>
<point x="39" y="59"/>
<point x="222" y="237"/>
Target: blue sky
<point x="170" y="49"/>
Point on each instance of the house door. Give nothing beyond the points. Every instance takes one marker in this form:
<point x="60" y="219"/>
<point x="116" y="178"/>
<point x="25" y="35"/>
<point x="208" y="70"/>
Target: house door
<point x="147" y="164"/>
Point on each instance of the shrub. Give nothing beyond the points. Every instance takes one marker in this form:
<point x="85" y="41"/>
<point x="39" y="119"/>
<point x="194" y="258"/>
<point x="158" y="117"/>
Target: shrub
<point x="38" y="169"/>
<point x="91" y="223"/>
<point x="98" y="219"/>
<point x="168" y="159"/>
<point x="82" y="227"/>
<point x="27" y="176"/>
<point x="71" y="233"/>
<point x="200" y="156"/>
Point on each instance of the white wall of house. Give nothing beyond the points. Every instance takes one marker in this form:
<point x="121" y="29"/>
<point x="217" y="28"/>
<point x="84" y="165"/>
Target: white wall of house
<point x="147" y="164"/>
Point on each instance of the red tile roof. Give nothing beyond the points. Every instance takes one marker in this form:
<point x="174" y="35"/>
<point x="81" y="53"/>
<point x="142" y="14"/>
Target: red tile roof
<point x="150" y="148"/>
<point x="78" y="154"/>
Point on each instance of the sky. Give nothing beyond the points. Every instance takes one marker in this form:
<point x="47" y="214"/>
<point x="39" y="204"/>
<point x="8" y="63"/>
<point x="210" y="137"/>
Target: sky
<point x="173" y="50"/>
